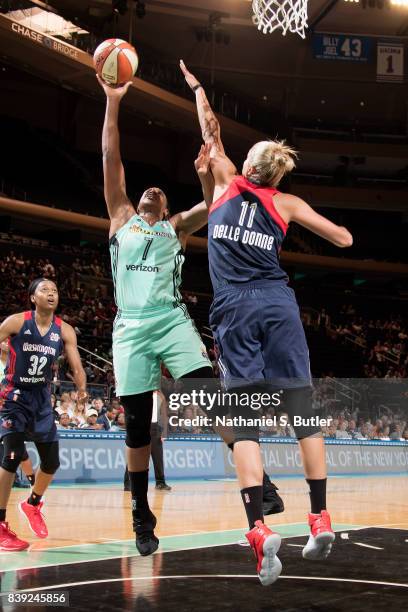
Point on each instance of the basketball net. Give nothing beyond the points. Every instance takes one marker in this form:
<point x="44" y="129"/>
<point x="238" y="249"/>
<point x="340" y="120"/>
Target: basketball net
<point x="288" y="15"/>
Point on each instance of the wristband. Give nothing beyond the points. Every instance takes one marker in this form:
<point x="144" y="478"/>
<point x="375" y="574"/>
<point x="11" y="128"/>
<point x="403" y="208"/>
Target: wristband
<point x="196" y="87"/>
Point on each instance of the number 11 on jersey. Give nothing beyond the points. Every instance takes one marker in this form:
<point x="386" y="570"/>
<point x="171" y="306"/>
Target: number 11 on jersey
<point x="244" y="210"/>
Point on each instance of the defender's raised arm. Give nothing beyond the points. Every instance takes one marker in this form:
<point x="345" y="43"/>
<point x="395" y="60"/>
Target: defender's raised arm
<point x="222" y="167"/>
<point x="210" y="126"/>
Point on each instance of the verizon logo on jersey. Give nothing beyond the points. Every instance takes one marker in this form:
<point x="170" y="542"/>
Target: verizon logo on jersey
<point x="141" y="268"/>
<point x="33" y="380"/>
<point x="252" y="238"/>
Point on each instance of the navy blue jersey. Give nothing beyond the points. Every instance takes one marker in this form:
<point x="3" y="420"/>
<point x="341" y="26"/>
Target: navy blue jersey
<point x="245" y="235"/>
<point x="31" y="356"/>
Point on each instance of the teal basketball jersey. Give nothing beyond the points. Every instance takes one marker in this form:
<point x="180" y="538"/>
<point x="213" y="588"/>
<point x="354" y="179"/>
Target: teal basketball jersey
<point x="146" y="266"/>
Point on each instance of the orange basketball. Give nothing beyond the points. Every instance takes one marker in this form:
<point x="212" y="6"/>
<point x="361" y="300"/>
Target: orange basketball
<point x="115" y="61"/>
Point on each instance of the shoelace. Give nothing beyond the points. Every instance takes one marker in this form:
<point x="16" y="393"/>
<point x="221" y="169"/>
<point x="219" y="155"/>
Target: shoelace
<point x="37" y="511"/>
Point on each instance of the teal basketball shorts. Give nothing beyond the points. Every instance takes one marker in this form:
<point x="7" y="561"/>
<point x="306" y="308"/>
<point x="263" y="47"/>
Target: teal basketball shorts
<point x="141" y="343"/>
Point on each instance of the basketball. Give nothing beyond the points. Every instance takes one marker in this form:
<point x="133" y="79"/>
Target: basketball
<point x="115" y="61"/>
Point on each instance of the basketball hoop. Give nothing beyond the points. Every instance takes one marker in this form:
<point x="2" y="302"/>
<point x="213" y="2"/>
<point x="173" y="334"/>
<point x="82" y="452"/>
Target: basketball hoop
<point x="289" y="15"/>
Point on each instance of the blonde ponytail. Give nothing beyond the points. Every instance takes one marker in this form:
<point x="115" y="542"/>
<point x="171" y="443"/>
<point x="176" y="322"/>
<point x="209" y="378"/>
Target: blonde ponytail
<point x="270" y="160"/>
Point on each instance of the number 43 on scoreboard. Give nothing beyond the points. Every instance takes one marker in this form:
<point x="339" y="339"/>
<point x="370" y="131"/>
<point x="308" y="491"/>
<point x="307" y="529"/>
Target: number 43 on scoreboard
<point x="352" y="47"/>
<point x="342" y="47"/>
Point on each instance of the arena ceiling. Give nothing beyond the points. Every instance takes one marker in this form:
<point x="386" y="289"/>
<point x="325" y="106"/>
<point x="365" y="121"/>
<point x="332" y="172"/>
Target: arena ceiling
<point x="374" y="17"/>
<point x="279" y="73"/>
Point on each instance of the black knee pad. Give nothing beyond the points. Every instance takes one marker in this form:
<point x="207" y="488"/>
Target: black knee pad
<point x="138" y="418"/>
<point x="205" y="372"/>
<point x="25" y="456"/>
<point x="200" y="380"/>
<point x="297" y="403"/>
<point x="244" y="416"/>
<point x="49" y="456"/>
<point x="13" y="451"/>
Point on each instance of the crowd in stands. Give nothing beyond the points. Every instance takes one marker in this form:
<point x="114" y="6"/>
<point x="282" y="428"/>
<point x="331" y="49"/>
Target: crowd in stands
<point x="90" y="309"/>
<point x="383" y="341"/>
<point x="385" y="428"/>
<point x="95" y="415"/>
<point x="356" y="409"/>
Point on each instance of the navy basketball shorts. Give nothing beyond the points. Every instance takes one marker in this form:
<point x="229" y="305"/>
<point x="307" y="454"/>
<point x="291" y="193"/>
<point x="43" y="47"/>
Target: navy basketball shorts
<point x="260" y="336"/>
<point x="28" y="411"/>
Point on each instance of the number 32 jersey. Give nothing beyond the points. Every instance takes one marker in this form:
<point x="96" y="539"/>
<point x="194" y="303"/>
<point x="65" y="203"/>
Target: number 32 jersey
<point x="245" y="235"/>
<point x="31" y="356"/>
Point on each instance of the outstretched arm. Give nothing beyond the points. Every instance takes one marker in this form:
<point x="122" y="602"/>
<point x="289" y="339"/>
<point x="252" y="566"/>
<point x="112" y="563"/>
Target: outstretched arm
<point x="210" y="126"/>
<point x="222" y="167"/>
<point x="119" y="206"/>
<point x="190" y="221"/>
<point x="292" y="208"/>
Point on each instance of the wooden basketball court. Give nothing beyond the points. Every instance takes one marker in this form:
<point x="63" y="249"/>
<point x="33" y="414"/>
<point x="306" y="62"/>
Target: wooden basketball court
<point x="202" y="561"/>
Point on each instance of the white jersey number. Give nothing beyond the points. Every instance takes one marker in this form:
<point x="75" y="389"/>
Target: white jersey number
<point x="244" y="211"/>
<point x="37" y="365"/>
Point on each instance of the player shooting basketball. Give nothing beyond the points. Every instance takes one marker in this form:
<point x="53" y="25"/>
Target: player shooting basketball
<point x="36" y="339"/>
<point x="255" y="318"/>
<point x="152" y="325"/>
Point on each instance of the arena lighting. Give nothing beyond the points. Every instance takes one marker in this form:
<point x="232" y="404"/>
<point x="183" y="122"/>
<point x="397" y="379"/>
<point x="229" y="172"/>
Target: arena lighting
<point x="399" y="3"/>
<point x="48" y="23"/>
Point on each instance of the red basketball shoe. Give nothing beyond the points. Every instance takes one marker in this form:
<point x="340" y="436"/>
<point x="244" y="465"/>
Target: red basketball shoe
<point x="265" y="544"/>
<point x="321" y="538"/>
<point x="9" y="541"/>
<point x="35" y="518"/>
